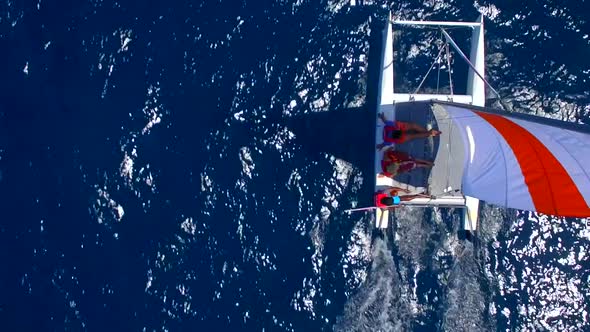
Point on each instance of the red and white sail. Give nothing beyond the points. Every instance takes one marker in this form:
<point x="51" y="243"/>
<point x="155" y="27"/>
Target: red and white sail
<point x="523" y="163"/>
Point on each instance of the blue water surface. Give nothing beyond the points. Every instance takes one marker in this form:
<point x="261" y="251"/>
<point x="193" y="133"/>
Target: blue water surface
<point x="185" y="166"/>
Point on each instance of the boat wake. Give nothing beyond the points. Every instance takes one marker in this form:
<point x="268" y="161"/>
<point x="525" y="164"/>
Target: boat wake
<point x="379" y="304"/>
<point x="465" y="302"/>
<point x="424" y="276"/>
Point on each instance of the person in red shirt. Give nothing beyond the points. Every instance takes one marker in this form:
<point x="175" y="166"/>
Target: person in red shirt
<point x="399" y="132"/>
<point x="390" y="198"/>
<point x="396" y="162"/>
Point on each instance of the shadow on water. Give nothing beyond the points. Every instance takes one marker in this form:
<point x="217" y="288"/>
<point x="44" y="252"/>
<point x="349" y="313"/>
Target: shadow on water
<point x="346" y="133"/>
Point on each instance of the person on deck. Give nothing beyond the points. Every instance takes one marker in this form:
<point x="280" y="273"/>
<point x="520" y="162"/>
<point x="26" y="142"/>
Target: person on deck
<point x="396" y="162"/>
<point x="390" y="198"/>
<point x="399" y="132"/>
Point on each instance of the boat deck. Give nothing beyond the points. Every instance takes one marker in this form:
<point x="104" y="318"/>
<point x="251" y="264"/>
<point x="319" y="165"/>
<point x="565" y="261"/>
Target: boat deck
<point x="447" y="151"/>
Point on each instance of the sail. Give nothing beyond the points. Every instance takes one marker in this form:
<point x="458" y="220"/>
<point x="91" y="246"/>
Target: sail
<point x="520" y="161"/>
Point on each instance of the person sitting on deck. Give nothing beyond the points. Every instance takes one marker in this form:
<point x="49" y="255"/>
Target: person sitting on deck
<point x="396" y="162"/>
<point x="399" y="132"/>
<point x="390" y="198"/>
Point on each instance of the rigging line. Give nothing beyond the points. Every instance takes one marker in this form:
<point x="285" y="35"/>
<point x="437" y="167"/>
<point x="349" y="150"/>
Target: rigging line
<point x="456" y="47"/>
<point x="449" y="67"/>
<point x="428" y="72"/>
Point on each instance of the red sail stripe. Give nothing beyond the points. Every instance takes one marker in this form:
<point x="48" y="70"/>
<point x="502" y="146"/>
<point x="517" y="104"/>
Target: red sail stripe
<point x="551" y="188"/>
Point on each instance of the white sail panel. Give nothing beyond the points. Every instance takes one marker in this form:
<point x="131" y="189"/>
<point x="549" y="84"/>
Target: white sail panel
<point x="491" y="171"/>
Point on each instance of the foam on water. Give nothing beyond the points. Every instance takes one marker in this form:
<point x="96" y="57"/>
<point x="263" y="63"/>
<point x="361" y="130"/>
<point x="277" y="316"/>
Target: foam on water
<point x="379" y="303"/>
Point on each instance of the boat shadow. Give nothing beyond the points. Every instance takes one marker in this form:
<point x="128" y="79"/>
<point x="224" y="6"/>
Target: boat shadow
<point x="348" y="133"/>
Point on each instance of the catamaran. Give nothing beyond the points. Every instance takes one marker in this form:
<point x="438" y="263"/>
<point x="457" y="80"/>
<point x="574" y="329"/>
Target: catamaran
<point x="504" y="158"/>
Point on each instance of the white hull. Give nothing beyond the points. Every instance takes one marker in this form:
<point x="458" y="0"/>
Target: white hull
<point x="388" y="98"/>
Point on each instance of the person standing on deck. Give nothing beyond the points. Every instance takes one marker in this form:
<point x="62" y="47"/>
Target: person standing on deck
<point x="390" y="199"/>
<point x="399" y="132"/>
<point x="396" y="162"/>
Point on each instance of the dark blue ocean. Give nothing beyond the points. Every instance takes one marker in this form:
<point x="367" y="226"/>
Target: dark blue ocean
<point x="185" y="166"/>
